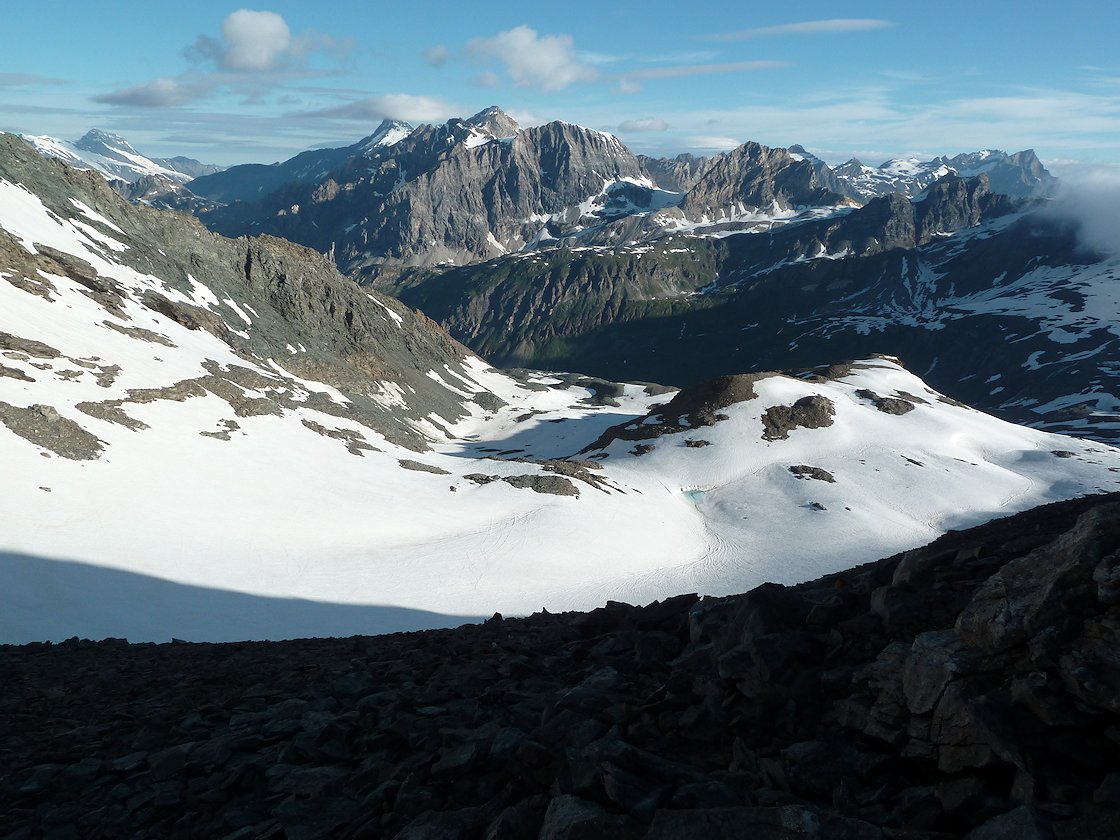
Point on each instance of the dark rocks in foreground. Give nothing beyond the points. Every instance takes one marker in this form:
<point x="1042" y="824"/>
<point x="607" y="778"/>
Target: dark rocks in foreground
<point x="971" y="687"/>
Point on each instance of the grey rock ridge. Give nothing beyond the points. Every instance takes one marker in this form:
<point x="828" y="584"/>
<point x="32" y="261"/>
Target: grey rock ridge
<point x="753" y="176"/>
<point x="252" y="182"/>
<point x="677" y="174"/>
<point x="322" y="326"/>
<point x="963" y="689"/>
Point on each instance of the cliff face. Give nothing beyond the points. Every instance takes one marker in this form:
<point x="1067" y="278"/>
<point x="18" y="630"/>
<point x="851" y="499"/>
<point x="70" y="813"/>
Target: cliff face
<point x="755" y="177"/>
<point x="968" y="685"/>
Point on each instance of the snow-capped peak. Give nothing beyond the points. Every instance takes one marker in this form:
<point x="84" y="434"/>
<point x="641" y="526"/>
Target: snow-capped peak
<point x="106" y="153"/>
<point x="389" y="133"/>
<point x="103" y="142"/>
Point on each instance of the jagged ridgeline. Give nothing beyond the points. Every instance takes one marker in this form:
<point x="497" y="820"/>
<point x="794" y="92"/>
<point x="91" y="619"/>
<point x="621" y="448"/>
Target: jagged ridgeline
<point x="480" y="187"/>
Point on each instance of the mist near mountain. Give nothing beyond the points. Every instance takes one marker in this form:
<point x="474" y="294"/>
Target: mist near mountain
<point x="1090" y="199"/>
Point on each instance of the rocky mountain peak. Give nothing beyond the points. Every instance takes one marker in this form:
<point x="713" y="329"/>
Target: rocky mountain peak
<point x="494" y="122"/>
<point x="754" y="177"/>
<point x="389" y="133"/>
<point x="102" y="142"/>
<point x="677" y="174"/>
<point x="797" y="150"/>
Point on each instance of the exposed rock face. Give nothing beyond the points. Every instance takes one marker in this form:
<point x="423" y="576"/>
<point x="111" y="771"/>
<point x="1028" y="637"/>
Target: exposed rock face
<point x="477" y="188"/>
<point x="252" y="182"/>
<point x="813" y="412"/>
<point x="755" y="177"/>
<point x="43" y="426"/>
<point x="160" y="191"/>
<point x="678" y="174"/>
<point x="969" y="686"/>
<point x="690" y="408"/>
<point x="466" y="190"/>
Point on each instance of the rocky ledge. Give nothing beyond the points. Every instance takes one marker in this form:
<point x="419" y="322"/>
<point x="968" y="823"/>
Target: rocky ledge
<point x="971" y="687"/>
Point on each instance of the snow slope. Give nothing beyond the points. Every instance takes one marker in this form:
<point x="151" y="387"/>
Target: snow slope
<point x="213" y="494"/>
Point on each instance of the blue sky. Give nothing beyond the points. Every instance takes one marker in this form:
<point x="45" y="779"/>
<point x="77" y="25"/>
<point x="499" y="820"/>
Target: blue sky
<point x="227" y="83"/>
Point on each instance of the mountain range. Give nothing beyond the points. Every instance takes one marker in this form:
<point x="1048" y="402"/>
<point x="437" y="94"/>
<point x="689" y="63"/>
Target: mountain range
<point x="482" y="187"/>
<point x="184" y="416"/>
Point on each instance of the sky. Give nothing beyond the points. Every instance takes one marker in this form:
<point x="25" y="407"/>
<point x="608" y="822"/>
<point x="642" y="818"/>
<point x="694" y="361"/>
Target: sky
<point x="226" y="83"/>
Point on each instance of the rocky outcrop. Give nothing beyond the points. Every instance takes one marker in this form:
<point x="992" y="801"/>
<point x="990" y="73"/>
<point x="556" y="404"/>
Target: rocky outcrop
<point x="678" y="174"/>
<point x="969" y="686"/>
<point x="162" y="192"/>
<point x="753" y="177"/>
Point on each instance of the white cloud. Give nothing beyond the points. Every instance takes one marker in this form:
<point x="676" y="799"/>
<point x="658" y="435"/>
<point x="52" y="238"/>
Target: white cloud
<point x="849" y="121"/>
<point x="832" y="26"/>
<point x="545" y="62"/>
<point x="27" y="80"/>
<point x="644" y="124"/>
<point x="255" y="53"/>
<point x="260" y="43"/>
<point x="255" y="41"/>
<point x="709" y="143"/>
<point x="685" y="70"/>
<point x="394" y="106"/>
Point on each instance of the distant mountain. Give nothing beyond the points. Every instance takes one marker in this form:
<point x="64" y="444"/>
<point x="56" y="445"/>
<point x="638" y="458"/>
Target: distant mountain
<point x="214" y="438"/>
<point x="467" y="190"/>
<point x="1020" y="175"/>
<point x="115" y="158"/>
<point x="158" y="182"/>
<point x="251" y="182"/>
